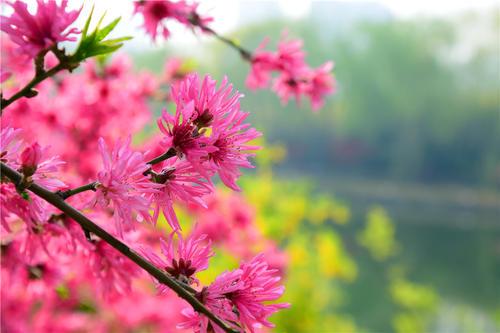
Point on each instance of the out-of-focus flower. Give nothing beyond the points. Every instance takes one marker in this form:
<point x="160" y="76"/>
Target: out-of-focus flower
<point x="155" y="13"/>
<point x="123" y="183"/>
<point x="37" y="32"/>
<point x="296" y="78"/>
<point x="113" y="270"/>
<point x="321" y="84"/>
<point x="4" y="75"/>
<point x="178" y="181"/>
<point x="182" y="260"/>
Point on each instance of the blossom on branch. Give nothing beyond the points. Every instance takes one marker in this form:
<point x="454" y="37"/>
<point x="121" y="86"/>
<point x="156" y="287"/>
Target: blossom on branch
<point x="296" y="78"/>
<point x="209" y="129"/>
<point x="123" y="184"/>
<point x="240" y="297"/>
<point x="38" y="32"/>
<point x="10" y="144"/>
<point x="178" y="181"/>
<point x="155" y="13"/>
<point x="231" y="138"/>
<point x="182" y="259"/>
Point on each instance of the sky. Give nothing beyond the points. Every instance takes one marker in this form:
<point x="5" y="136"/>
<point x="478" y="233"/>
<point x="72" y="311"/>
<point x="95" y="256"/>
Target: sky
<point x="226" y="13"/>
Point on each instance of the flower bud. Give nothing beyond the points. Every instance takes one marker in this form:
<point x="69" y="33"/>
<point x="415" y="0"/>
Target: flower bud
<point x="30" y="157"/>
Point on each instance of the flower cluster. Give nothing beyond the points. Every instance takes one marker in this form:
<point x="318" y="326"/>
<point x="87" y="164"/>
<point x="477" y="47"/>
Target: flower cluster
<point x="209" y="135"/>
<point x="295" y="77"/>
<point x="156" y="13"/>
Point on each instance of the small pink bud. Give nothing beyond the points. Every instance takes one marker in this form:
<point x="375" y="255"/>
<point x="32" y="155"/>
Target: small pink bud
<point x="30" y="157"/>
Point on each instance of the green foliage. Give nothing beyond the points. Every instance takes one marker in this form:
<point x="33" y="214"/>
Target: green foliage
<point x="93" y="44"/>
<point x="417" y="305"/>
<point x="379" y="234"/>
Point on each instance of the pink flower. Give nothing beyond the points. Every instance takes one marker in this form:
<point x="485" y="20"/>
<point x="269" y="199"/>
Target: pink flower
<point x="4" y="75"/>
<point x="183" y="259"/>
<point x="263" y="63"/>
<point x="123" y="183"/>
<point x="113" y="270"/>
<point x="32" y="210"/>
<point x="222" y="149"/>
<point x="182" y="135"/>
<point x="250" y="288"/>
<point x="47" y="169"/>
<point x="240" y="296"/>
<point x="178" y="181"/>
<point x="211" y="104"/>
<point x="41" y="31"/>
<point x="290" y="55"/>
<point x="10" y="144"/>
<point x="155" y="12"/>
<point x="321" y="84"/>
<point x="296" y="78"/>
<point x="230" y="139"/>
<point x="30" y="158"/>
<point x="288" y="85"/>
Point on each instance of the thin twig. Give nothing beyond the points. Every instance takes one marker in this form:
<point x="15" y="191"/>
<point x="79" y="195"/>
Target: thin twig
<point x="54" y="199"/>
<point x="165" y="156"/>
<point x="88" y="187"/>
<point x="93" y="186"/>
<point x="28" y="91"/>
<point x="245" y="54"/>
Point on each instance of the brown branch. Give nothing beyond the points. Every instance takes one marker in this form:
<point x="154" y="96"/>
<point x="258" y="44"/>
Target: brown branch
<point x="87" y="224"/>
<point x="68" y="193"/>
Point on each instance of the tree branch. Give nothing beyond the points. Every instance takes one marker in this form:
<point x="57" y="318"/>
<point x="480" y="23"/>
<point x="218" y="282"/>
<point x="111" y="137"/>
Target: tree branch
<point x="28" y="91"/>
<point x="245" y="54"/>
<point x="87" y="224"/>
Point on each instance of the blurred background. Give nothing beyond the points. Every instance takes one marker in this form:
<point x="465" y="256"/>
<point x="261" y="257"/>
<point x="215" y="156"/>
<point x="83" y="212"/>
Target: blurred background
<point x="387" y="201"/>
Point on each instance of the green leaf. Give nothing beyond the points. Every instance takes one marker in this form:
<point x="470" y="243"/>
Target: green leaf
<point x="102" y="33"/>
<point x="87" y="23"/>
<point x="93" y="44"/>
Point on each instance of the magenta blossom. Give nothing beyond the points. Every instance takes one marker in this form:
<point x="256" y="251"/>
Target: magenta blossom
<point x="222" y="148"/>
<point x="41" y="31"/>
<point x="295" y="77"/>
<point x="30" y="158"/>
<point x="230" y="139"/>
<point x="183" y="259"/>
<point x="240" y="297"/>
<point x="155" y="13"/>
<point x="322" y="83"/>
<point x="10" y="144"/>
<point x="123" y="184"/>
<point x="211" y="104"/>
<point x="182" y="135"/>
<point x="114" y="271"/>
<point x="178" y="181"/>
<point x="33" y="211"/>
